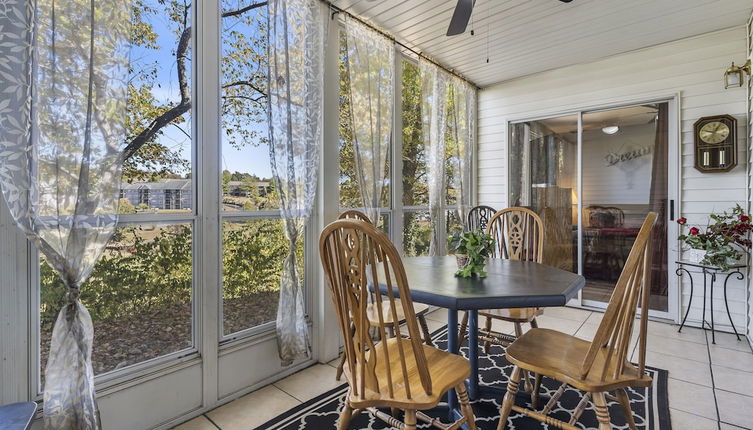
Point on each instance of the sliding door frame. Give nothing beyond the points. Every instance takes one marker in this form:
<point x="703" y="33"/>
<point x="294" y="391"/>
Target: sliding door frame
<point x="674" y="169"/>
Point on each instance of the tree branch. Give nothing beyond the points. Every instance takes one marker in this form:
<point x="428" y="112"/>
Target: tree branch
<point x="243" y="10"/>
<point x="245" y="83"/>
<point x="252" y="99"/>
<point x="185" y="92"/>
<point x="176" y="111"/>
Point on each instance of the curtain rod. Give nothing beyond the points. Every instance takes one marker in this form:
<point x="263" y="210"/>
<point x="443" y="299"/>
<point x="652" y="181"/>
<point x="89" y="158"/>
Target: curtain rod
<point x="338" y="9"/>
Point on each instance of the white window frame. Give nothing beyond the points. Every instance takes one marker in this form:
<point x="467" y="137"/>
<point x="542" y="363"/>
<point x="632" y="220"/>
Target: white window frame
<point x="205" y="219"/>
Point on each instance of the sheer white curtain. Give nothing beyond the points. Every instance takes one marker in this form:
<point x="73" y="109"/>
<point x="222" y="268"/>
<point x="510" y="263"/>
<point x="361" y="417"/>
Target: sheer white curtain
<point x="370" y="65"/>
<point x="63" y="71"/>
<point x="434" y="120"/>
<point x="297" y="31"/>
<point x="463" y="100"/>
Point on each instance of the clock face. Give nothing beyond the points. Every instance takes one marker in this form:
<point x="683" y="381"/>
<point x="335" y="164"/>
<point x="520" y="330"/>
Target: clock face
<point x="714" y="132"/>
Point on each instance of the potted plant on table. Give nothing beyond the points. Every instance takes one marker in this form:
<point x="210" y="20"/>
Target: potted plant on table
<point x="722" y="244"/>
<point x="471" y="249"/>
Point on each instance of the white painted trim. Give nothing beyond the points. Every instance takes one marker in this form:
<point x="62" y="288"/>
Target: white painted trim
<point x="748" y="172"/>
<point x="327" y="328"/>
<point x="579" y="185"/>
<point x="209" y="230"/>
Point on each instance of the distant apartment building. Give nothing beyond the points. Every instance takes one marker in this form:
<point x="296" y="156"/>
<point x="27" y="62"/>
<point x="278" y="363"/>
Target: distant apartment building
<point x="172" y="194"/>
<point x="166" y="194"/>
<point x="238" y="188"/>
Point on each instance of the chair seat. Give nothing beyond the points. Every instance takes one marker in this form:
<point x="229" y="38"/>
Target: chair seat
<point x="521" y="315"/>
<point x="372" y="312"/>
<point x="560" y="356"/>
<point x="446" y="371"/>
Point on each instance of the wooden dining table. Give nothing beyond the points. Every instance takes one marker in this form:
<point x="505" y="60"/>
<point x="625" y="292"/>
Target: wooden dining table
<point x="508" y="284"/>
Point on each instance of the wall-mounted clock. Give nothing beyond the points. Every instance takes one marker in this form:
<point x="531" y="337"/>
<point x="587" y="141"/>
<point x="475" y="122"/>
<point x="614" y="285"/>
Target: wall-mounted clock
<point x="715" y="143"/>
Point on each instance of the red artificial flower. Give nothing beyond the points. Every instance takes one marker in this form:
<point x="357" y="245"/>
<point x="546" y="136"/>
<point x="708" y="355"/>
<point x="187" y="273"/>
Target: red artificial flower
<point x="744" y="218"/>
<point x="694" y="231"/>
<point x="682" y="221"/>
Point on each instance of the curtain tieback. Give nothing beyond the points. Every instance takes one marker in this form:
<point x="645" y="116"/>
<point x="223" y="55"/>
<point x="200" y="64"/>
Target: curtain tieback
<point x="73" y="294"/>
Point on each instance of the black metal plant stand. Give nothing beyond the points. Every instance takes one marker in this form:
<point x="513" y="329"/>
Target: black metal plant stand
<point x="711" y="271"/>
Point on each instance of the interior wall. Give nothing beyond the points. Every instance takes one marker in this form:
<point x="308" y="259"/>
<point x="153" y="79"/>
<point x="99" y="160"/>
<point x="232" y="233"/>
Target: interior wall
<point x="690" y="69"/>
<point x="631" y="177"/>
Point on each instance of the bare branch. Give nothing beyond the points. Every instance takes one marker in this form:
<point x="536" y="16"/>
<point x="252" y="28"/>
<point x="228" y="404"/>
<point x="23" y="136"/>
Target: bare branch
<point x="243" y="10"/>
<point x="244" y="83"/>
<point x="252" y="99"/>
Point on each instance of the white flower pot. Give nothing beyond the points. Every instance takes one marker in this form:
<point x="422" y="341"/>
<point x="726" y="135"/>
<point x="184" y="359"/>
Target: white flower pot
<point x="693" y="255"/>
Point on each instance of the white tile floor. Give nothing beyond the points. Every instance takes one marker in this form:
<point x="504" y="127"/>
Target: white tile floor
<point x="710" y="386"/>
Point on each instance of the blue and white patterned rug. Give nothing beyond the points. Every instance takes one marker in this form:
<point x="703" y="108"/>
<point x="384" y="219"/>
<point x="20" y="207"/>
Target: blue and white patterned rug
<point x="650" y="405"/>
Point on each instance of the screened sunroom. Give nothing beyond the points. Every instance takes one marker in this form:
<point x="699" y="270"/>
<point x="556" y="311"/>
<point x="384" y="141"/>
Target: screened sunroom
<point x="373" y="214"/>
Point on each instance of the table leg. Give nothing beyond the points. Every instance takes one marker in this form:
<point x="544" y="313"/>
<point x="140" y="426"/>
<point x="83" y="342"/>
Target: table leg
<point x="473" y="353"/>
<point x="453" y="347"/>
<point x="713" y="335"/>
<point x="740" y="277"/>
<point x="690" y="301"/>
<point x="703" y="313"/>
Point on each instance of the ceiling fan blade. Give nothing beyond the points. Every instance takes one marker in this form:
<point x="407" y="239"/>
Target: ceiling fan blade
<point x="460" y="17"/>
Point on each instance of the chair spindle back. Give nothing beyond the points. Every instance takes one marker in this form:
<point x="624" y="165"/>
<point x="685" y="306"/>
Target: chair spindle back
<point x="346" y="248"/>
<point x="616" y="327"/>
<point x="354" y="214"/>
<point x="479" y="216"/>
<point x="518" y="234"/>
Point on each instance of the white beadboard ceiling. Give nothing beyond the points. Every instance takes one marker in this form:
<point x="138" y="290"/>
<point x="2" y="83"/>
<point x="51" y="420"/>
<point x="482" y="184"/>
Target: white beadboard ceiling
<point x="523" y="37"/>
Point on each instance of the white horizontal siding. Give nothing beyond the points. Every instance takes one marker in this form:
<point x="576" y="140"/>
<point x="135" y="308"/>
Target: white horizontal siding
<point x="691" y="69"/>
<point x="750" y="179"/>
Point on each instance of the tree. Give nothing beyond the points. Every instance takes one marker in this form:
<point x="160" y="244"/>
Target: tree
<point x="146" y="155"/>
<point x="250" y="187"/>
<point x="126" y="207"/>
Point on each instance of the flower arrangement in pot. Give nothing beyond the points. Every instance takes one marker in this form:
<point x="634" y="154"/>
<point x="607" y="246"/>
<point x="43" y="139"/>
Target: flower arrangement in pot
<point x="726" y="237"/>
<point x="471" y="249"/>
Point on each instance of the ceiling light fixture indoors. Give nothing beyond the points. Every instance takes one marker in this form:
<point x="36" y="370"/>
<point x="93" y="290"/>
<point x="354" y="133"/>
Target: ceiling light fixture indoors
<point x="610" y="129"/>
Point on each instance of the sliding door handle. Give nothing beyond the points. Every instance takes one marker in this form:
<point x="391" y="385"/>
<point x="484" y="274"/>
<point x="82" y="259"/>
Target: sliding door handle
<point x="671" y="210"/>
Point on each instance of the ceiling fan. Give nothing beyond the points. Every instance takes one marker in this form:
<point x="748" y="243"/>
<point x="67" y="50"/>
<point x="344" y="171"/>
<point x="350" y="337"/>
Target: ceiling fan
<point x="462" y="15"/>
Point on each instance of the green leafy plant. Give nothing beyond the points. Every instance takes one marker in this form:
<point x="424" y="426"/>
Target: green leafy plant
<point x="725" y="235"/>
<point x="477" y="246"/>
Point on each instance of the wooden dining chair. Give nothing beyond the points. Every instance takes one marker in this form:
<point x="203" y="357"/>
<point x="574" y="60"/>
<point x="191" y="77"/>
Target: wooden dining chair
<point x="479" y="216"/>
<point x="519" y="235"/>
<point x="398" y="372"/>
<point x="597" y="367"/>
<point x="420" y="309"/>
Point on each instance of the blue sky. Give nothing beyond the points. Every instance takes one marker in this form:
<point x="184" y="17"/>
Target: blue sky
<point x="250" y="159"/>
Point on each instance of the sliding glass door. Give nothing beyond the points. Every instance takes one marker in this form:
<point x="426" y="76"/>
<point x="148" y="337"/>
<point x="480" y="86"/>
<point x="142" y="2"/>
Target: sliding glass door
<point x="624" y="177"/>
<point x="544" y="158"/>
<point x="593" y="177"/>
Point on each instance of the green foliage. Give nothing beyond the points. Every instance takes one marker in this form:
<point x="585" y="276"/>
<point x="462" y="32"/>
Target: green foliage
<point x="477" y="245"/>
<point x="252" y="257"/>
<point x="416" y="234"/>
<point x="143" y="269"/>
<point x="126" y="207"/>
<point x="723" y="239"/>
<point x="244" y="86"/>
<point x="148" y="268"/>
<point x="414" y="157"/>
